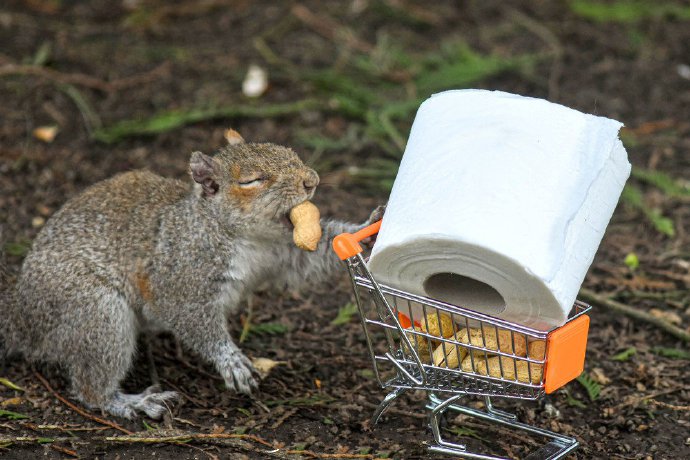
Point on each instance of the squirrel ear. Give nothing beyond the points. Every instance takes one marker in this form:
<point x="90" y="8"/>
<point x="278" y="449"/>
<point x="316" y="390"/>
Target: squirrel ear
<point x="203" y="172"/>
<point x="233" y="137"/>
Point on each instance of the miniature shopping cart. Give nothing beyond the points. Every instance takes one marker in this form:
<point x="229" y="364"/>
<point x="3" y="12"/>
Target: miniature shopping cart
<point x="469" y="353"/>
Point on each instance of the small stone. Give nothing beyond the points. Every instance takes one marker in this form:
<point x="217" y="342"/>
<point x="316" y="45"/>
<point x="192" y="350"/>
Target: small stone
<point x="551" y="411"/>
<point x="256" y="82"/>
<point x="683" y="71"/>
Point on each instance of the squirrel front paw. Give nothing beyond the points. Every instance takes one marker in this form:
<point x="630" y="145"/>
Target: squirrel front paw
<point x="375" y="216"/>
<point x="239" y="373"/>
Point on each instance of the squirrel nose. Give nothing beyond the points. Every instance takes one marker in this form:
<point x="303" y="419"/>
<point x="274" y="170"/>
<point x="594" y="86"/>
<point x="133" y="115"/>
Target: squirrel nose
<point x="311" y="181"/>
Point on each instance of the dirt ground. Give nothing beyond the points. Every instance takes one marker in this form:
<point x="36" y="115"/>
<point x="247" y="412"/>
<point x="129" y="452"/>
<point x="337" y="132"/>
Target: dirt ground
<point x="344" y="79"/>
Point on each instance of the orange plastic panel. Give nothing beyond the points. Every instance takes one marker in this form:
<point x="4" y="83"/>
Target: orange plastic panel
<point x="404" y="320"/>
<point x="565" y="355"/>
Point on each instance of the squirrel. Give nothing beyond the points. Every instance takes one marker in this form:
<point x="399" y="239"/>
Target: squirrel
<point x="139" y="252"/>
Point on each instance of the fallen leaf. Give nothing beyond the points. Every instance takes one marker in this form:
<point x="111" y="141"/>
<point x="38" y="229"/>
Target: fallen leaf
<point x="598" y="376"/>
<point x="667" y="316"/>
<point x="651" y="127"/>
<point x="46" y="133"/>
<point x="264" y="365"/>
<point x="12" y="402"/>
<point x="38" y="222"/>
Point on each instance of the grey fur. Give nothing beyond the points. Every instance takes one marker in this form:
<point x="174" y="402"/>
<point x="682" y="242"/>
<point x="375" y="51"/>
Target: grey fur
<point x="140" y="252"/>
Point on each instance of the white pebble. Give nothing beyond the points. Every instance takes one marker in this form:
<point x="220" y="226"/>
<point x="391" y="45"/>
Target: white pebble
<point x="684" y="71"/>
<point x="256" y="82"/>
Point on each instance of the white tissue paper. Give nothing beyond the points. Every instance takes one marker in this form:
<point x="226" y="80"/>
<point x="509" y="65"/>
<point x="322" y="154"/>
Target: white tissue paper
<point x="500" y="204"/>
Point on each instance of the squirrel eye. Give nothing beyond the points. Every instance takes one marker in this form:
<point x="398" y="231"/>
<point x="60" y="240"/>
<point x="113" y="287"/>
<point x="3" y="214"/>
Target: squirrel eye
<point x="253" y="182"/>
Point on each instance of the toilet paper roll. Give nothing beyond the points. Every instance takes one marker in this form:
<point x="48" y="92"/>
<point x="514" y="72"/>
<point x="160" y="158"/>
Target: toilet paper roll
<point x="500" y="204"/>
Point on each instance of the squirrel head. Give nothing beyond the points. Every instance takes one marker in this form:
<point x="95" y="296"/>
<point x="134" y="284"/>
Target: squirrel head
<point x="256" y="183"/>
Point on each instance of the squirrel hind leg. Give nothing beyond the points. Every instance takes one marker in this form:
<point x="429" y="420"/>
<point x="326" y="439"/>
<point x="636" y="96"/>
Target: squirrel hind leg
<point x="153" y="402"/>
<point x="98" y="354"/>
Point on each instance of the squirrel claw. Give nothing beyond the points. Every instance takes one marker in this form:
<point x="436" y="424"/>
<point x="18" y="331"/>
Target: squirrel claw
<point x="375" y="216"/>
<point x="240" y="374"/>
<point x="152" y="402"/>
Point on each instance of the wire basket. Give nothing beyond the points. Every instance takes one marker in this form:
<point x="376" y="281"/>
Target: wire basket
<point x="419" y="343"/>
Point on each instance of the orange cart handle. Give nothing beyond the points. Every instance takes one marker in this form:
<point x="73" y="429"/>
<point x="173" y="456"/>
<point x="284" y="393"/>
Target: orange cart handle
<point x="347" y="245"/>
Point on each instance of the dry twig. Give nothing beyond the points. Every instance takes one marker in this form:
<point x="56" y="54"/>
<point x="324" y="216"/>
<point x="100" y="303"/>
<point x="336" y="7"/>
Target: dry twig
<point x="65" y="450"/>
<point x="285" y="416"/>
<point x="185" y="437"/>
<point x="603" y="301"/>
<point x="330" y="29"/>
<point x="33" y="426"/>
<point x="635" y="400"/>
<point x="394" y="411"/>
<point x="544" y="33"/>
<point x="311" y="454"/>
<point x="669" y="406"/>
<point x="79" y="410"/>
<point x="84" y="80"/>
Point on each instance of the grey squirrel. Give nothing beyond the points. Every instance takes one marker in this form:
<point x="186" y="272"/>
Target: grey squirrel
<point x="140" y="252"/>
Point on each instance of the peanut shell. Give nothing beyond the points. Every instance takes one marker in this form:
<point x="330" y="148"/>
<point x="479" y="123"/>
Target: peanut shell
<point x="490" y="340"/>
<point x="306" y="219"/>
<point x="448" y="355"/>
<point x="438" y="324"/>
<point x="420" y="344"/>
<point x="509" y="365"/>
<point x="537" y="349"/>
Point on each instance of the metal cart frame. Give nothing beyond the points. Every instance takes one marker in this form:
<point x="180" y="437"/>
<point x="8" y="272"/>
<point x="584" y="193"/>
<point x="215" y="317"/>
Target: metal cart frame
<point x="473" y="354"/>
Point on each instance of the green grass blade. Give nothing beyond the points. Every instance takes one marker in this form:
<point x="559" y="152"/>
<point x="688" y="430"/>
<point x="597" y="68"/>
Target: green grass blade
<point x="662" y="181"/>
<point x="19" y="249"/>
<point x="12" y="415"/>
<point x="268" y="329"/>
<point x="10" y="385"/>
<point x="633" y="197"/>
<point x="628" y="11"/>
<point x="592" y="387"/>
<point x="345" y="314"/>
<point x="674" y="353"/>
<point x="625" y="354"/>
<point x="167" y="121"/>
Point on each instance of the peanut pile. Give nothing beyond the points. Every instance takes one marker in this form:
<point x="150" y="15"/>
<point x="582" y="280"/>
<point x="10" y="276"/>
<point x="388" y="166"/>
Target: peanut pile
<point x="448" y="355"/>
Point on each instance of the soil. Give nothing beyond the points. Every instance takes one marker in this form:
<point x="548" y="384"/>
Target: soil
<point x="80" y="65"/>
